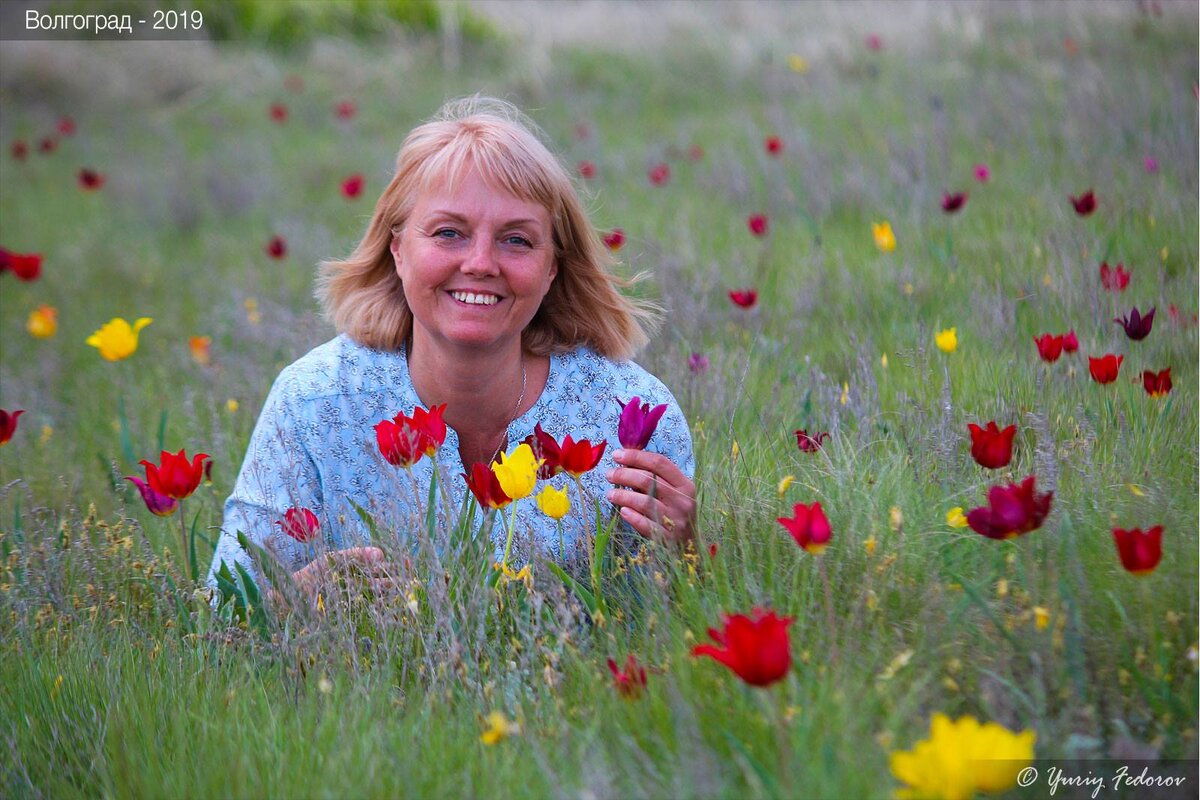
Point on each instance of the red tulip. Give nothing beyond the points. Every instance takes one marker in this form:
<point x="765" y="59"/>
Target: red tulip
<point x="953" y="202"/>
<point x="8" y="424"/>
<point x="638" y="422"/>
<point x="744" y="298"/>
<point x="404" y="440"/>
<point x="158" y="504"/>
<point x="174" y="476"/>
<point x="757" y="224"/>
<point x="572" y="457"/>
<point x="1105" y="368"/>
<point x="1084" y="204"/>
<point x="1157" y="384"/>
<point x="614" y="239"/>
<point x="1140" y="552"/>
<point x="630" y="680"/>
<point x="279" y="112"/>
<point x="300" y="523"/>
<point x="756" y="648"/>
<point x="1070" y="342"/>
<point x="990" y="446"/>
<point x="1011" y="511"/>
<point x="484" y="484"/>
<point x="695" y="152"/>
<point x="874" y="42"/>
<point x="1115" y="280"/>
<point x="90" y="180"/>
<point x="47" y="145"/>
<point x="1049" y="347"/>
<point x="66" y="126"/>
<point x="1136" y="326"/>
<point x="809" y="527"/>
<point x="712" y="550"/>
<point x="659" y="174"/>
<point x="982" y="173"/>
<point x="587" y="170"/>
<point x="773" y="145"/>
<point x="277" y="247"/>
<point x="18" y="149"/>
<point x="26" y="266"/>
<point x="810" y="444"/>
<point x="352" y="187"/>
<point x="346" y="109"/>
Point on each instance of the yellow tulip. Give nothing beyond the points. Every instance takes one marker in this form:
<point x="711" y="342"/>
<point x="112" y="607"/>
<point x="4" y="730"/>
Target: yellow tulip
<point x="116" y="339"/>
<point x="955" y="518"/>
<point x="554" y="503"/>
<point x="784" y="483"/>
<point x="43" y="322"/>
<point x="947" y="340"/>
<point x="962" y="757"/>
<point x="517" y="471"/>
<point x="498" y="729"/>
<point x="885" y="240"/>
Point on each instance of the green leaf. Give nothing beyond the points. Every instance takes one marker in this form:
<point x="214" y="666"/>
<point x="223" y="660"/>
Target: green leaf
<point x="367" y="519"/>
<point x="192" y="548"/>
<point x="126" y="438"/>
<point x="980" y="601"/>
<point x="589" y="600"/>
<point x="162" y="430"/>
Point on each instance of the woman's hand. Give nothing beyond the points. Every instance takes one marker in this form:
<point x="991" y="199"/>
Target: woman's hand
<point x="655" y="497"/>
<point x="368" y="562"/>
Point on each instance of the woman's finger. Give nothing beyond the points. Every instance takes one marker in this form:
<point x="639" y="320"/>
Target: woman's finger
<point x="654" y="463"/>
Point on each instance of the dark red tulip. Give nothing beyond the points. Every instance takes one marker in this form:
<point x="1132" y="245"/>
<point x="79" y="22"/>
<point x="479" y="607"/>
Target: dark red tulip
<point x="90" y="180"/>
<point x="1049" y="347"/>
<point x="810" y="444"/>
<point x="1070" y="342"/>
<point x="614" y="239"/>
<point x="346" y="109"/>
<point x="1084" y="204"/>
<point x="404" y="440"/>
<point x="352" y="187"/>
<point x="1105" y="368"/>
<point x="952" y="202"/>
<point x="66" y="126"/>
<point x="158" y="504"/>
<point x="1114" y="279"/>
<point x="1157" y="384"/>
<point x="1011" y="511"/>
<point x="873" y="42"/>
<point x="637" y="423"/>
<point x="484" y="484"/>
<point x="757" y="649"/>
<point x="1136" y="326"/>
<point x="26" y="266"/>
<point x="743" y="298"/>
<point x="697" y="363"/>
<point x="1140" y="551"/>
<point x="990" y="446"/>
<point x="773" y="145"/>
<point x="630" y="680"/>
<point x="587" y="170"/>
<point x="8" y="424"/>
<point x="757" y="224"/>
<point x="277" y="247"/>
<point x="712" y="550"/>
<point x="809" y="526"/>
<point x="18" y="149"/>
<point x="572" y="457"/>
<point x="696" y="152"/>
<point x="300" y="523"/>
<point x="47" y="145"/>
<point x="279" y="112"/>
<point x="659" y="174"/>
<point x="173" y="476"/>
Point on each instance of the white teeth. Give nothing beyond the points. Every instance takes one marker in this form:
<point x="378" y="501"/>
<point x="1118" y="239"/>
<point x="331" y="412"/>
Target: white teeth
<point x="475" y="299"/>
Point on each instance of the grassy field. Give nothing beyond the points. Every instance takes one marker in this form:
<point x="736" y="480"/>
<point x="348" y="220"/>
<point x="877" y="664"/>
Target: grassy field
<point x="120" y="681"/>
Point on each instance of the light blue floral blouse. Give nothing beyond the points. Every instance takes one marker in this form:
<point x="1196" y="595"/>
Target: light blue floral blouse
<point x="314" y="447"/>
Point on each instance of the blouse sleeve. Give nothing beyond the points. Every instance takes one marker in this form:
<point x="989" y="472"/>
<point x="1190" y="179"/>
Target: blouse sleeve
<point x="673" y="439"/>
<point x="278" y="473"/>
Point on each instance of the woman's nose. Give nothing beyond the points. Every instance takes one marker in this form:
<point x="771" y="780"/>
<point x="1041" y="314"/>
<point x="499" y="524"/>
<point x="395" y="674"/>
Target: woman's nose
<point x="481" y="259"/>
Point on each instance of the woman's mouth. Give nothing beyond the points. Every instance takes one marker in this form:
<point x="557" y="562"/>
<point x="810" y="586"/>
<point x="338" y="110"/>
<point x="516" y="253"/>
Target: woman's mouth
<point x="475" y="299"/>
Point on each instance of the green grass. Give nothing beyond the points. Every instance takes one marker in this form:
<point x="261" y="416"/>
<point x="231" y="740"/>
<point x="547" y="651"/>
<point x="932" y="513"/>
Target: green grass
<point x="160" y="697"/>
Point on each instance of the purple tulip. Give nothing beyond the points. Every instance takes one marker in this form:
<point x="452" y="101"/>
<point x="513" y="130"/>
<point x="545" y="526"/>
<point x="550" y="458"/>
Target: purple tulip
<point x="1137" y="326"/>
<point x="158" y="504"/>
<point x="638" y="421"/>
<point x="697" y="362"/>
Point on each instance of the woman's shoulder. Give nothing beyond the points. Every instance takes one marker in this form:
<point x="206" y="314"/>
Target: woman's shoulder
<point x="342" y="367"/>
<point x="585" y="367"/>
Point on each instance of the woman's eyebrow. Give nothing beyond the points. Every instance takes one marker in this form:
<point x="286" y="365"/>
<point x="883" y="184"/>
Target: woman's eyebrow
<point x="453" y="215"/>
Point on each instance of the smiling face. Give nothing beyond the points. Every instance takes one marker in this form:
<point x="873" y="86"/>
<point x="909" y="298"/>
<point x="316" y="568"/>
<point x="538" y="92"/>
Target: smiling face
<point x="475" y="262"/>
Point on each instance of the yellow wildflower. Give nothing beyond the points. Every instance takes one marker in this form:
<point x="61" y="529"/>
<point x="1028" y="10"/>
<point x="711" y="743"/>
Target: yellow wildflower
<point x="734" y="451"/>
<point x="47" y="432"/>
<point x="42" y="322"/>
<point x="955" y="518"/>
<point x="231" y="405"/>
<point x="895" y="518"/>
<point x="784" y="483"/>
<point x="116" y="339"/>
<point x="883" y="360"/>
<point x="554" y="503"/>
<point x="869" y="545"/>
<point x="517" y="471"/>
<point x="1041" y="617"/>
<point x="845" y="398"/>
<point x="798" y="63"/>
<point x="498" y="729"/>
<point x="947" y="340"/>
<point x="962" y="757"/>
<point x="885" y="240"/>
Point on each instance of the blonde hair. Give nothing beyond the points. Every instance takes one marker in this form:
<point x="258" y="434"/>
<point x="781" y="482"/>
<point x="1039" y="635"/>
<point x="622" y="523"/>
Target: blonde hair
<point x="363" y="296"/>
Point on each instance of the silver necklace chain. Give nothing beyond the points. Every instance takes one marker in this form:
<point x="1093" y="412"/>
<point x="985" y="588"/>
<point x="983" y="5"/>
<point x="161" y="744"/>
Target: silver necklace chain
<point x="516" y="413"/>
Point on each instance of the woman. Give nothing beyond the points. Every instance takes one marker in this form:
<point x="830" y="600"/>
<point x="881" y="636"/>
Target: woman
<point x="479" y="285"/>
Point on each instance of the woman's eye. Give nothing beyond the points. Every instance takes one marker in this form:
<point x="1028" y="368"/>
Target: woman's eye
<point x="517" y="240"/>
<point x="445" y="233"/>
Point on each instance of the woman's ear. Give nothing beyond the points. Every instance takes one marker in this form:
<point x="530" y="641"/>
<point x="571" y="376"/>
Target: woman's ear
<point x="397" y="256"/>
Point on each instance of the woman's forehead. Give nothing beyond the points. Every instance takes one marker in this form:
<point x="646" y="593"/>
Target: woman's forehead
<point x="473" y="190"/>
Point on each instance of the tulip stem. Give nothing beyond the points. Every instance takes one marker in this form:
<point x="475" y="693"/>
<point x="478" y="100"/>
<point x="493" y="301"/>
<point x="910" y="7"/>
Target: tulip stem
<point x="512" y="525"/>
<point x="829" y="623"/>
<point x="183" y="539"/>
